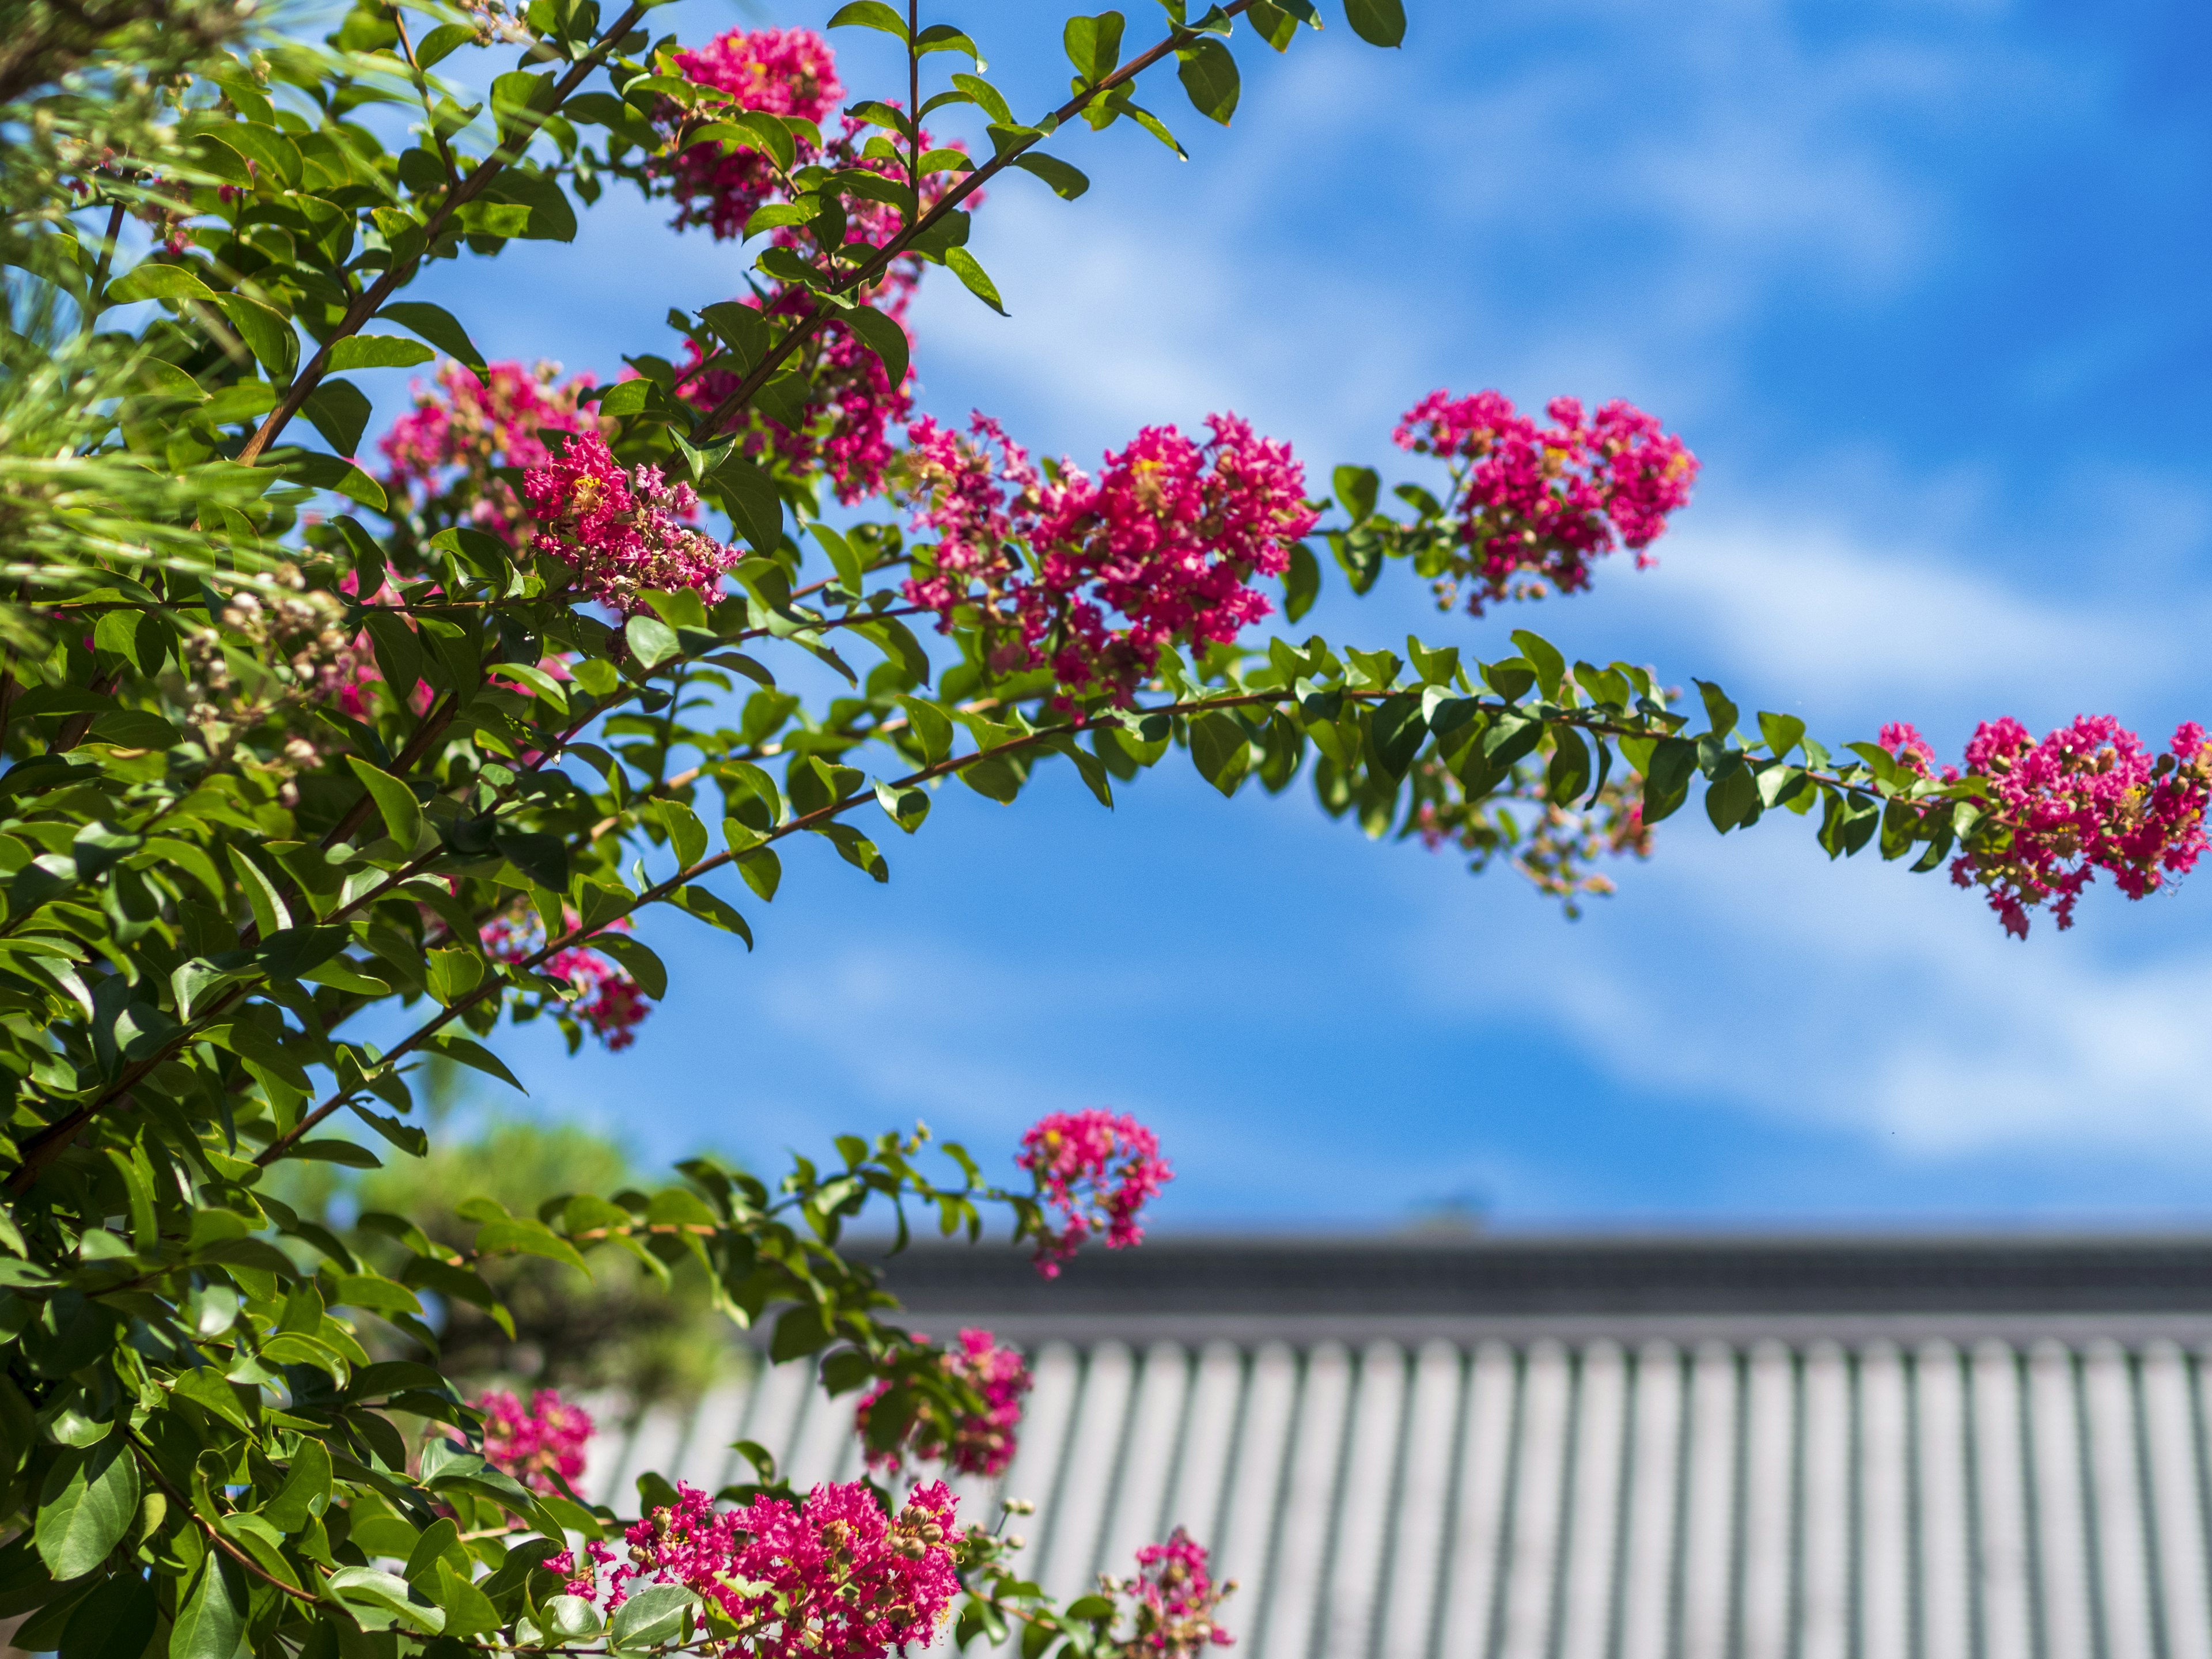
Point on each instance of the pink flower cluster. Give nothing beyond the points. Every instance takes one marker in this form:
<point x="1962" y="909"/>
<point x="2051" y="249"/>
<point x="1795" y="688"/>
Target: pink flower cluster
<point x="2088" y="797"/>
<point x="443" y="453"/>
<point x="1169" y="539"/>
<point x="776" y="72"/>
<point x="979" y="1444"/>
<point x="1547" y="500"/>
<point x="1173" y="1597"/>
<point x="622" y="530"/>
<point x="835" y="1579"/>
<point x="846" y="434"/>
<point x="536" y="1443"/>
<point x="608" y="1002"/>
<point x="1097" y="1171"/>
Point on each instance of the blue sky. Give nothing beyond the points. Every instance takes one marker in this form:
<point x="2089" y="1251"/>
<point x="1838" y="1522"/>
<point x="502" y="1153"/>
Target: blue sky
<point x="1922" y="285"/>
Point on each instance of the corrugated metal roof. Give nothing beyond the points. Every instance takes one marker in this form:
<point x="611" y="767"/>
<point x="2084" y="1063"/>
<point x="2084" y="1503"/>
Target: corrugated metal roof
<point x="1595" y="1494"/>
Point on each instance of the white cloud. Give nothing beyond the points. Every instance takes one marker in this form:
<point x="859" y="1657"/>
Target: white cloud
<point x="1802" y="602"/>
<point x="1860" y="996"/>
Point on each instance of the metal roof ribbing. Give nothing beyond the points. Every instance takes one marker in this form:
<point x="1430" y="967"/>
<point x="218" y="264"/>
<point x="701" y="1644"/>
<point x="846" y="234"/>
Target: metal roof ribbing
<point x="1597" y="1499"/>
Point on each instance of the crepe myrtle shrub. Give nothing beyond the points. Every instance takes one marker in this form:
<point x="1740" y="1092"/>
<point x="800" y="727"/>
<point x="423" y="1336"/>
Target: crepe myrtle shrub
<point x="288" y="739"/>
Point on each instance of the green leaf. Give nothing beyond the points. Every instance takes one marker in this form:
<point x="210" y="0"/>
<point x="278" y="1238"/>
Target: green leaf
<point x="987" y="98"/>
<point x="1782" y="732"/>
<point x="542" y="856"/>
<point x="1067" y="182"/>
<point x="330" y="472"/>
<point x="473" y="1054"/>
<point x="962" y="263"/>
<point x="339" y="411"/>
<point x="468" y="1610"/>
<point x="884" y="336"/>
<point x="530" y="1238"/>
<point x="906" y="808"/>
<point x="157" y="282"/>
<point x="117" y="1622"/>
<point x="1208" y="74"/>
<point x="378" y="351"/>
<point x="685" y="833"/>
<point x="270" y="915"/>
<point x="932" y="728"/>
<point x="762" y="869"/>
<point x="206" y="1389"/>
<point x="637" y="957"/>
<point x="1301" y="583"/>
<point x="651" y="640"/>
<point x="1221" y="750"/>
<point x="755" y="508"/>
<point x="85" y="1507"/>
<point x="346" y="1154"/>
<point x="379" y="1590"/>
<point x="1666" y="780"/>
<point x="1544" y="657"/>
<point x="717" y="911"/>
<point x="1378" y="22"/>
<point x="307" y="1489"/>
<point x="395" y="802"/>
<point x="482" y="218"/>
<point x="211" y="1620"/>
<point x="1718" y="709"/>
<point x="1356" y="489"/>
<point x="440" y="42"/>
<point x="435" y="323"/>
<point x="870" y="14"/>
<point x="1399" y="731"/>
<point x="1570" y="773"/>
<point x="572" y="1618"/>
<point x="268" y="334"/>
<point x="654" y="1614"/>
<point x="1093" y="44"/>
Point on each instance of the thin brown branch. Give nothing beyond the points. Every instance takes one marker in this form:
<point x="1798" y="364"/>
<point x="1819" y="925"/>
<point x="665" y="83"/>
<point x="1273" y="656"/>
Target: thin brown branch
<point x="215" y="1533"/>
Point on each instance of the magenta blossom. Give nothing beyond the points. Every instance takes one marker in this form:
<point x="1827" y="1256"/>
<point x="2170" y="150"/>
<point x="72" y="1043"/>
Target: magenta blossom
<point x="1163" y="547"/>
<point x="776" y="72"/>
<point x="1546" y="501"/>
<point x="1173" y="1600"/>
<point x="606" y="1001"/>
<point x="622" y="531"/>
<point x="445" y="450"/>
<point x="835" y="1578"/>
<point x="1097" y="1171"/>
<point x="536" y="1443"/>
<point x="2086" y="797"/>
<point x="980" y="1444"/>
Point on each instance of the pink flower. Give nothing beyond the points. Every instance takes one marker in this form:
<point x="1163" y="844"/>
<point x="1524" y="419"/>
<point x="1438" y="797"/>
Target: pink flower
<point x="835" y="1579"/>
<point x="622" y="530"/>
<point x="980" y="1444"/>
<point x="1903" y="739"/>
<point x="535" y="1443"/>
<point x="776" y="72"/>
<point x="1173" y="1598"/>
<point x="2086" y="797"/>
<point x="443" y="454"/>
<point x="1097" y="1171"/>
<point x="1547" y="501"/>
<point x="846" y="431"/>
<point x="1168" y="539"/>
<point x="582" y="1581"/>
<point x="607" y="1001"/>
